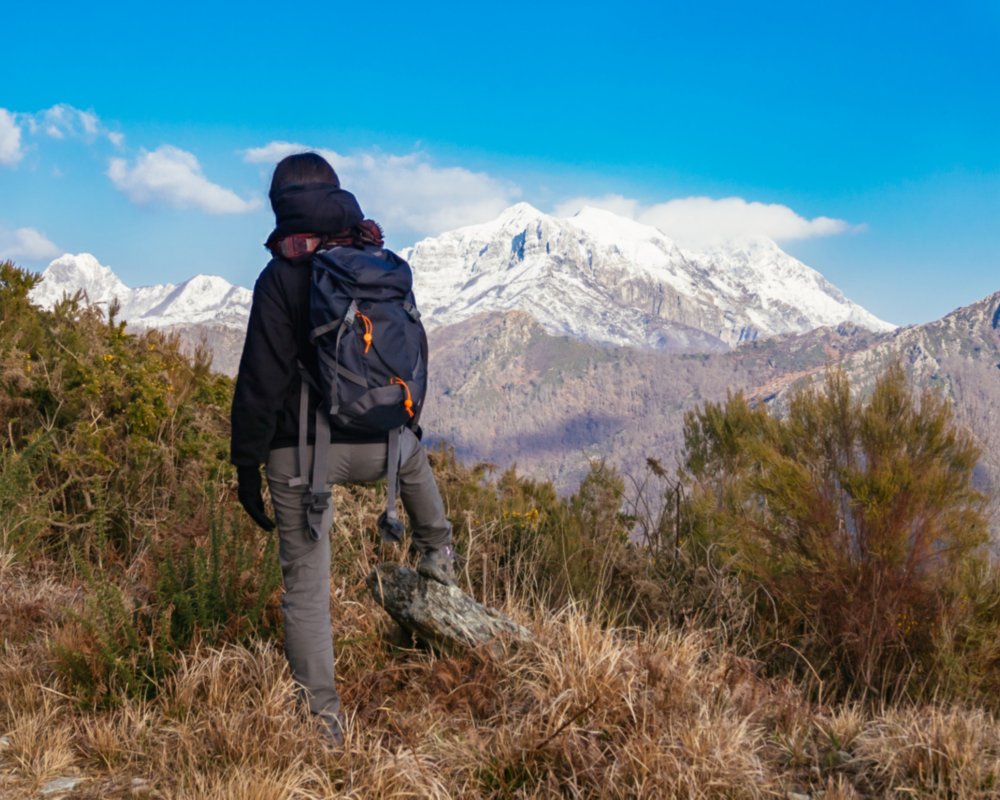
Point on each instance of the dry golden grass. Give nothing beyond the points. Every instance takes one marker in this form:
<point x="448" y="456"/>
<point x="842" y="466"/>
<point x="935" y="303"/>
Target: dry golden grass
<point x="582" y="711"/>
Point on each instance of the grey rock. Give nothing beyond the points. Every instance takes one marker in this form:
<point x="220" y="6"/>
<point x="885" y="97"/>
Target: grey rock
<point x="443" y="616"/>
<point x="60" y="785"/>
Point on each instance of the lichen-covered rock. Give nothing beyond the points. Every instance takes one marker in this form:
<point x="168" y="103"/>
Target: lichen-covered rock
<point x="443" y="616"/>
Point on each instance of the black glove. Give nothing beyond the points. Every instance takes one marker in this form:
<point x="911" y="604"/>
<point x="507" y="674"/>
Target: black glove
<point x="251" y="498"/>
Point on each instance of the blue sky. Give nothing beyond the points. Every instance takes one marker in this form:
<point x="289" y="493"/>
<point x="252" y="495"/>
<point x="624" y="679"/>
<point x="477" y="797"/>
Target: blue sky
<point x="863" y="137"/>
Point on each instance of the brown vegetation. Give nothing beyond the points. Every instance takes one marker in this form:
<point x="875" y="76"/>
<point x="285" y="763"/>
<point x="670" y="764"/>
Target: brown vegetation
<point x="140" y="650"/>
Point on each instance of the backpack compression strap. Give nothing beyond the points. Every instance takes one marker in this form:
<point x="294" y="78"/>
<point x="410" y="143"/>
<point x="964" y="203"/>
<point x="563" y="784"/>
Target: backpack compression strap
<point x="389" y="524"/>
<point x="317" y="498"/>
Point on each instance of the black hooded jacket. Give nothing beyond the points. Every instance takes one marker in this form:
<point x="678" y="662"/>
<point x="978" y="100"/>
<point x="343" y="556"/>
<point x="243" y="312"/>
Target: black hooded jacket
<point x="265" y="413"/>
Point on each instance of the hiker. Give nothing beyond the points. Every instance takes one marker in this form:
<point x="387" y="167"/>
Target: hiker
<point x="278" y="408"/>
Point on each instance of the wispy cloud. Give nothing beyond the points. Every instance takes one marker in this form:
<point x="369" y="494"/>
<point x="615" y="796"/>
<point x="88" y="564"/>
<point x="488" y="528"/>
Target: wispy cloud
<point x="10" y="139"/>
<point x="410" y="194"/>
<point x="700" y="221"/>
<point x="171" y="176"/>
<point x="63" y="121"/>
<point x="28" y="244"/>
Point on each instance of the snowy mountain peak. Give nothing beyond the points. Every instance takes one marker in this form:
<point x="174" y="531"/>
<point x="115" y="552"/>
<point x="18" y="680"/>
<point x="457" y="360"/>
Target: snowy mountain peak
<point x="70" y="273"/>
<point x="520" y="210"/>
<point x="595" y="276"/>
<point x="203" y="299"/>
<point x="606" y="278"/>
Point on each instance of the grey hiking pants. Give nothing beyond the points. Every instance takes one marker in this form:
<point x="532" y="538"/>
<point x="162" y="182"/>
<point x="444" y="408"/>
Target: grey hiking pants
<point x="305" y="563"/>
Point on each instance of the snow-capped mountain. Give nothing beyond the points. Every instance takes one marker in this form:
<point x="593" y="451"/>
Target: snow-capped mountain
<point x="205" y="311"/>
<point x="605" y="278"/>
<point x="201" y="300"/>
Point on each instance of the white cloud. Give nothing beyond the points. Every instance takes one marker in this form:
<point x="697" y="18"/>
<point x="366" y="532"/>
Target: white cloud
<point x="10" y="139"/>
<point x="26" y="243"/>
<point x="706" y="219"/>
<point x="173" y="177"/>
<point x="699" y="221"/>
<point x="410" y="194"/>
<point x="273" y="152"/>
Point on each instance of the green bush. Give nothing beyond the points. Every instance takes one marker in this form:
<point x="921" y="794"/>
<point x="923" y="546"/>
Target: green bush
<point x="853" y="525"/>
<point x="114" y="471"/>
<point x="127" y="420"/>
<point x="529" y="541"/>
<point x="212" y="588"/>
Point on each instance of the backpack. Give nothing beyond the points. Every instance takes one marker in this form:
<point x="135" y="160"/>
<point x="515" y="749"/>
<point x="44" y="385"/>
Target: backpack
<point x="372" y="357"/>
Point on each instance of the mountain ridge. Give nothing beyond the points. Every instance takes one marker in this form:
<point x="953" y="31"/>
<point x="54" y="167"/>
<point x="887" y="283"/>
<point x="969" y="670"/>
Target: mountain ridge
<point x="606" y="278"/>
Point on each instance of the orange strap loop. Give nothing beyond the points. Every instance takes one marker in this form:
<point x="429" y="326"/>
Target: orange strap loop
<point x="368" y="330"/>
<point x="408" y="402"/>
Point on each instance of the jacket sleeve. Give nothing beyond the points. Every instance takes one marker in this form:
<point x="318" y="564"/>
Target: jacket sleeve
<point x="267" y="370"/>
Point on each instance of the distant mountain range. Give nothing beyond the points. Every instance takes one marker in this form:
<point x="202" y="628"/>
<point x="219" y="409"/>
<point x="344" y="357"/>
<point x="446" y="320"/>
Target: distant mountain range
<point x="555" y="341"/>
<point x="504" y="390"/>
<point x="597" y="277"/>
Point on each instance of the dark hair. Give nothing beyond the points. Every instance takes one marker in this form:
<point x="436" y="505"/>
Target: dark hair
<point x="302" y="169"/>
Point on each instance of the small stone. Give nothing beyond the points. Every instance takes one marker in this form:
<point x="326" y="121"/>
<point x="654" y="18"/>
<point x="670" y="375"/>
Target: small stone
<point x="140" y="786"/>
<point x="798" y="796"/>
<point x="4" y="743"/>
<point x="59" y="785"/>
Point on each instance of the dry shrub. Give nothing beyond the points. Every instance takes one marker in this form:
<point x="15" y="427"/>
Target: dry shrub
<point x="23" y="681"/>
<point x="33" y="598"/>
<point x="853" y="521"/>
<point x="613" y="714"/>
<point x="581" y="711"/>
<point x="234" y="706"/>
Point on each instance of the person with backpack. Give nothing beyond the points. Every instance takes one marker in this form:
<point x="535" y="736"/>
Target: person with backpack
<point x="329" y="390"/>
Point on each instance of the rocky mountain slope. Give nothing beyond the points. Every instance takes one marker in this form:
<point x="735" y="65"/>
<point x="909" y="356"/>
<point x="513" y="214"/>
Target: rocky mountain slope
<point x="604" y="278"/>
<point x="958" y="354"/>
<point x="504" y="390"/>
